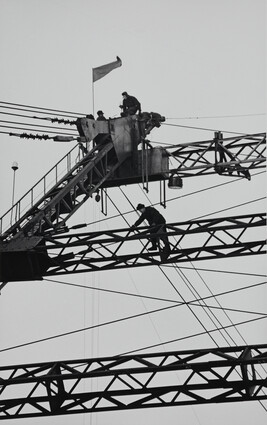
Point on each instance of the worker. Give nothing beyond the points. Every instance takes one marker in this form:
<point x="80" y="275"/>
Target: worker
<point x="157" y="223"/>
<point x="130" y="105"/>
<point x="100" y="116"/>
<point x="90" y="116"/>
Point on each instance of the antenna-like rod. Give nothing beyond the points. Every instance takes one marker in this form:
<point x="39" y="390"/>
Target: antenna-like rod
<point x="14" y="168"/>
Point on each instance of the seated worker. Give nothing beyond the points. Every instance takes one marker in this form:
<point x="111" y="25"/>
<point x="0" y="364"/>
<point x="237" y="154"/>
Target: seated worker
<point x="157" y="223"/>
<point x="100" y="116"/>
<point x="130" y="105"/>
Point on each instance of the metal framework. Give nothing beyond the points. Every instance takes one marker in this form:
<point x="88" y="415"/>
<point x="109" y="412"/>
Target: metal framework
<point x="217" y="375"/>
<point x="32" y="247"/>
<point x="232" y="156"/>
<point x="188" y="241"/>
<point x="84" y="173"/>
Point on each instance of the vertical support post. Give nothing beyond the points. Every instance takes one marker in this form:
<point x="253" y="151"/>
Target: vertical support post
<point x="162" y="191"/>
<point x="249" y="388"/>
<point x="144" y="165"/>
<point x="219" y="152"/>
<point x="218" y="137"/>
<point x="104" y="201"/>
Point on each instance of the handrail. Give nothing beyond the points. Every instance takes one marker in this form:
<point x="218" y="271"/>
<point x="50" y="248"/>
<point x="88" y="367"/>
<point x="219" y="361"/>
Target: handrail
<point x="40" y="188"/>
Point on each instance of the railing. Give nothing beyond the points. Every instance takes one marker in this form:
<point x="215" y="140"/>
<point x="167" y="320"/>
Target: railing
<point x="40" y="189"/>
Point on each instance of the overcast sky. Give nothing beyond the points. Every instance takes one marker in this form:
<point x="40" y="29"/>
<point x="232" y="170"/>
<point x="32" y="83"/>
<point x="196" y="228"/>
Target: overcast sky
<point x="198" y="63"/>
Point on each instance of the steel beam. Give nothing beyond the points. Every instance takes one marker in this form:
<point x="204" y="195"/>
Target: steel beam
<point x="232" y="156"/>
<point x="196" y="240"/>
<point x="217" y="375"/>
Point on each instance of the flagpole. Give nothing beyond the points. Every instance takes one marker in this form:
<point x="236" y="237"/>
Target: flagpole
<point x="93" y="95"/>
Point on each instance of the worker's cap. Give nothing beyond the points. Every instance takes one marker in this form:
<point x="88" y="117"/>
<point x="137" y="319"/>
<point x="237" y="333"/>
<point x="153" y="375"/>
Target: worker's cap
<point x="140" y="206"/>
<point x="124" y="93"/>
<point x="100" y="113"/>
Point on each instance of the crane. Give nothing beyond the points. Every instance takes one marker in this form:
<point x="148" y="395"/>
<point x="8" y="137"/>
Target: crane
<point x="31" y="227"/>
<point x="37" y="242"/>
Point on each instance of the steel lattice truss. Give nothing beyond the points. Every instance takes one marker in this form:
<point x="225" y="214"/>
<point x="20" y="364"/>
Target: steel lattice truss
<point x="216" y="375"/>
<point x="68" y="193"/>
<point x="188" y="241"/>
<point x="234" y="156"/>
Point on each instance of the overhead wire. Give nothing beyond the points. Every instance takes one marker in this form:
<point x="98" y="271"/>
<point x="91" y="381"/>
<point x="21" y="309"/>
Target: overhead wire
<point x="171" y="118"/>
<point x="179" y="293"/>
<point x="39" y="108"/>
<point x="190" y="287"/>
<point x="130" y="294"/>
<point x="184" y="196"/>
<point x="127" y="222"/>
<point x="217" y="116"/>
<point x="222" y="271"/>
<point x="148" y="347"/>
<point x="107" y="323"/>
<point x="75" y="331"/>
<point x="33" y="129"/>
<point x="38" y="125"/>
<point x="226" y="314"/>
<point x="205" y="129"/>
<point x="174" y="287"/>
<point x="52" y="119"/>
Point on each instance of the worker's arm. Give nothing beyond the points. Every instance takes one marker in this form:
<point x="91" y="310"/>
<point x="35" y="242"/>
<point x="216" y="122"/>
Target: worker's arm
<point x="139" y="221"/>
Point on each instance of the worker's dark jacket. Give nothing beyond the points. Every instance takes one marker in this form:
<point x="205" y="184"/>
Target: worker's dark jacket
<point x="131" y="102"/>
<point x="152" y="216"/>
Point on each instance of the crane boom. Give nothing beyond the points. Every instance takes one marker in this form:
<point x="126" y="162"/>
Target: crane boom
<point x="138" y="381"/>
<point x="230" y="156"/>
<point x="194" y="240"/>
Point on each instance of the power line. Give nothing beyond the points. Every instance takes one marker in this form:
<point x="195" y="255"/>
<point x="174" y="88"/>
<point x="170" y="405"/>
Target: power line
<point x="38" y="107"/>
<point x="31" y="129"/>
<point x="244" y="322"/>
<point x="189" y="284"/>
<point x="117" y="321"/>
<point x="252" y="286"/>
<point x="217" y="116"/>
<point x="180" y="197"/>
<point x="37" y="125"/>
<point x="221" y="271"/>
<point x="111" y="322"/>
<point x="205" y="129"/>
<point x="191" y="289"/>
<point x="168" y="277"/>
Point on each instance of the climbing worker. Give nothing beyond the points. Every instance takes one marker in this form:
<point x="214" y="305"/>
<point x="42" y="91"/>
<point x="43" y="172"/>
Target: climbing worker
<point x="157" y="223"/>
<point x="100" y="116"/>
<point x="130" y="105"/>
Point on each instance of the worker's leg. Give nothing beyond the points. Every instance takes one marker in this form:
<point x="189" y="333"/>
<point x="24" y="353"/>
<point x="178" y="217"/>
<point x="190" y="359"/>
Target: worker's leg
<point x="153" y="238"/>
<point x="164" y="237"/>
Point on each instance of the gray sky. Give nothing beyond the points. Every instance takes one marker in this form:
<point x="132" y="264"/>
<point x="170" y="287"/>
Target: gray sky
<point x="183" y="59"/>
